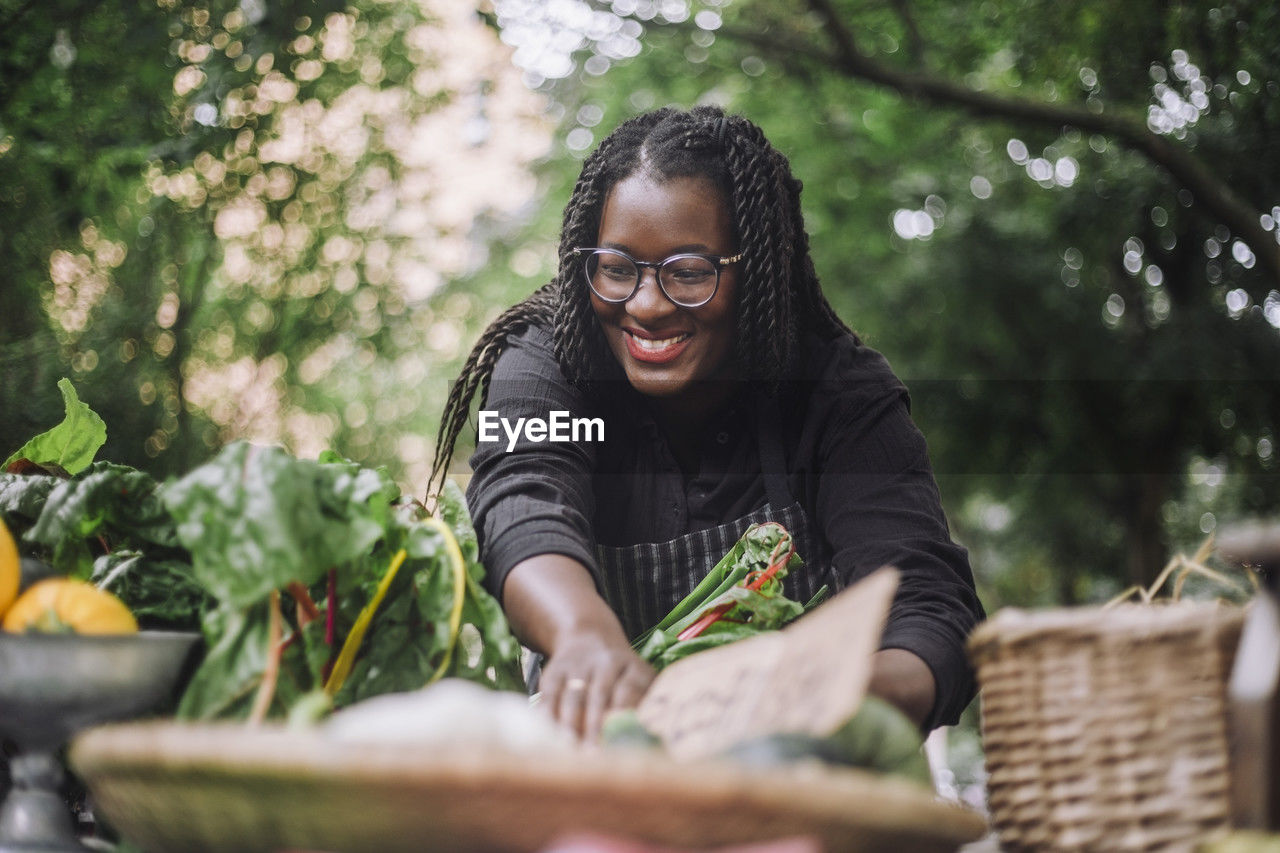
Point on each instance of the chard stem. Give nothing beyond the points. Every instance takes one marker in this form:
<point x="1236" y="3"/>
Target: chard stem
<point x="459" y="567"/>
<point x="271" y="674"/>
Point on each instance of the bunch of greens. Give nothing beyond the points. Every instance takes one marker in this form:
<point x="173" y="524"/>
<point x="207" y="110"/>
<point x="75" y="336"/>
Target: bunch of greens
<point x="386" y="596"/>
<point x="401" y="586"/>
<point x="740" y="597"/>
<point x="98" y="522"/>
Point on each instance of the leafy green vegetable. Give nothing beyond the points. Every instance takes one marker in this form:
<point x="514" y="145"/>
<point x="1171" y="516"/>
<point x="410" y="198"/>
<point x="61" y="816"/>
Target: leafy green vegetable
<point x="232" y="668"/>
<point x="256" y="518"/>
<point x="23" y="496"/>
<point x="160" y="591"/>
<point x="877" y="737"/>
<point x="880" y="737"/>
<point x="101" y="499"/>
<point x="72" y="444"/>
<point x="411" y="635"/>
<point x="738" y="598"/>
<point x="107" y="524"/>
<point x="622" y="728"/>
<point x="214" y="549"/>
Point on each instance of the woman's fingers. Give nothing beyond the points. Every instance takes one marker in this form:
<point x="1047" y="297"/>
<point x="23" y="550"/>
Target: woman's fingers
<point x="629" y="688"/>
<point x="572" y="702"/>
<point x="597" y="705"/>
<point x="580" y="690"/>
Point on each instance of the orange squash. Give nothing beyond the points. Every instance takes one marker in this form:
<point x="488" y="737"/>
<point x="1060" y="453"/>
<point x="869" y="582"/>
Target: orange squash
<point x="10" y="569"/>
<point x="60" y="605"/>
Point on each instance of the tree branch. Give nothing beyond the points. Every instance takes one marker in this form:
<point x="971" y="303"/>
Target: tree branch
<point x="1217" y="197"/>
<point x="915" y="44"/>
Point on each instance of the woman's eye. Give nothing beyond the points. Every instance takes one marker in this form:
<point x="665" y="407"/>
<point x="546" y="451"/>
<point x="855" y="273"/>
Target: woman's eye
<point x="690" y="270"/>
<point x="619" y="273"/>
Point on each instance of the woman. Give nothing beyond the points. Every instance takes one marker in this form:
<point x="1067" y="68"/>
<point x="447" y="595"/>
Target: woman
<point x="687" y="319"/>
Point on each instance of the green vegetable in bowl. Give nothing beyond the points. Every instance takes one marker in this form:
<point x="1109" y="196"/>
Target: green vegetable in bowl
<point x="622" y="728"/>
<point x="877" y="737"/>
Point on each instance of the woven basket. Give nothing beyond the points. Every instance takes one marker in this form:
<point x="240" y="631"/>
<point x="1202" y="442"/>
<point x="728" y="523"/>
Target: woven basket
<point x="1105" y="729"/>
<point x="221" y="788"/>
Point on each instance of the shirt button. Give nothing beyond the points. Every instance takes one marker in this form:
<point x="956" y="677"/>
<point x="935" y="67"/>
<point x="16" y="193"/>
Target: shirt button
<point x="722" y="438"/>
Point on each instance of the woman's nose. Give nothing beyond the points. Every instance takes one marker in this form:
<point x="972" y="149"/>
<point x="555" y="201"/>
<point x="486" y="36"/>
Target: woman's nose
<point x="649" y="302"/>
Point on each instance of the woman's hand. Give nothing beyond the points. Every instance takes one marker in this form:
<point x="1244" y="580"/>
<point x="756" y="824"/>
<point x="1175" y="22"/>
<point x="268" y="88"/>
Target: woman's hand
<point x="590" y="675"/>
<point x="554" y="608"/>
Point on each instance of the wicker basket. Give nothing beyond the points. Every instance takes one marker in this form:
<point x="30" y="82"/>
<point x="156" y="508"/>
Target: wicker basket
<point x="1105" y="729"/>
<point x="225" y="788"/>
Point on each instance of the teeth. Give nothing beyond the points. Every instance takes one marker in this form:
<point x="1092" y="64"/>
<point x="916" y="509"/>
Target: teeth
<point x="647" y="344"/>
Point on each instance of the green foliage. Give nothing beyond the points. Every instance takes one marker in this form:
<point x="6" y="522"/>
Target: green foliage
<point x="72" y="444"/>
<point x="217" y="219"/>
<point x="107" y="524"/>
<point x="255" y="519"/>
<point x="214" y="548"/>
<point x="877" y="737"/>
<point x="1080" y="332"/>
<point x="1089" y="348"/>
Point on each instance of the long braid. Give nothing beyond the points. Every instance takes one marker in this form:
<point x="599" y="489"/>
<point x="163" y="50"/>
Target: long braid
<point x="558" y="306"/>
<point x="538" y="309"/>
<point x="779" y="292"/>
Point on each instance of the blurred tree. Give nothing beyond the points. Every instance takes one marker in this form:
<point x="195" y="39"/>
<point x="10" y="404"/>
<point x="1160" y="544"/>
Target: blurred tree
<point x="1058" y="223"/>
<point x="229" y="219"/>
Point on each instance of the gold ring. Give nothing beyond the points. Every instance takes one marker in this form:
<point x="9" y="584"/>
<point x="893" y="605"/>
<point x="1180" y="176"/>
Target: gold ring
<point x="575" y="685"/>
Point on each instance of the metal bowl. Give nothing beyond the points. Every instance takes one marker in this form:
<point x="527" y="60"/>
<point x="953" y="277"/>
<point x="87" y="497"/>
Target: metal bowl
<point x="52" y="685"/>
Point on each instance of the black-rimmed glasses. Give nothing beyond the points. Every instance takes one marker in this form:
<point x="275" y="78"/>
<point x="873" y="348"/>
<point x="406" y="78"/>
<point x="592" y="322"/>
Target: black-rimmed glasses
<point x="688" y="280"/>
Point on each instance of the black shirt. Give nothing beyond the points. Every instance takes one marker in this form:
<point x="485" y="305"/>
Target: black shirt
<point x="855" y="461"/>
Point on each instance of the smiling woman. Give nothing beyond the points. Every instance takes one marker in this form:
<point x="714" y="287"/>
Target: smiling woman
<point x="667" y="350"/>
<point x="686" y="316"/>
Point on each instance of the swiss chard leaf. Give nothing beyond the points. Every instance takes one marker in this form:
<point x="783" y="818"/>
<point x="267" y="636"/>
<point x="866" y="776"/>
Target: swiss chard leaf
<point x="666" y="651"/>
<point x="23" y="496"/>
<point x="751" y="612"/>
<point x="161" y="593"/>
<point x="232" y="668"/>
<point x="256" y="518"/>
<point x="103" y="498"/>
<point x="72" y="444"/>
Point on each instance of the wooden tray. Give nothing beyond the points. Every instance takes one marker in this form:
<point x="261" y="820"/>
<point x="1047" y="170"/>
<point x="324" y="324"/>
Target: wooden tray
<point x="186" y="788"/>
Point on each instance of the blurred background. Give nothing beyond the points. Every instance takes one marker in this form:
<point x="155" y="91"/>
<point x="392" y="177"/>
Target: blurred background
<point x="287" y="221"/>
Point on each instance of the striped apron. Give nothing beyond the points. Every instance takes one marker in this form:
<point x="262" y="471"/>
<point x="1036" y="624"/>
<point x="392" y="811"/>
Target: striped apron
<point x="643" y="582"/>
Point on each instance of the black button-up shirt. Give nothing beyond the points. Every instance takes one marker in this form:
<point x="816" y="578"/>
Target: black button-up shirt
<point x="855" y="461"/>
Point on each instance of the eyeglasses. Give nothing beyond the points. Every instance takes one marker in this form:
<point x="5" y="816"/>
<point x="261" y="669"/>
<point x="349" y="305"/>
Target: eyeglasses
<point x="687" y="280"/>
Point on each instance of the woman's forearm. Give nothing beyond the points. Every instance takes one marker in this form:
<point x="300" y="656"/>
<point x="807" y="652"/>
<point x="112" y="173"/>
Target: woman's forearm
<point x="903" y="679"/>
<point x="551" y="598"/>
<point x="554" y="608"/>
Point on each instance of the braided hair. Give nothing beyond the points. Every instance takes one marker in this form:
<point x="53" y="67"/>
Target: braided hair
<point x="779" y="293"/>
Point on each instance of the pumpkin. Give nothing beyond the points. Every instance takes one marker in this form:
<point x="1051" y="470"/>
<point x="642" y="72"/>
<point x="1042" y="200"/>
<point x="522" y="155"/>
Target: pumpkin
<point x="10" y="569"/>
<point x="61" y="605"/>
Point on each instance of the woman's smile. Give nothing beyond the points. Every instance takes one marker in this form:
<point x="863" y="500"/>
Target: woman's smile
<point x="646" y="347"/>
